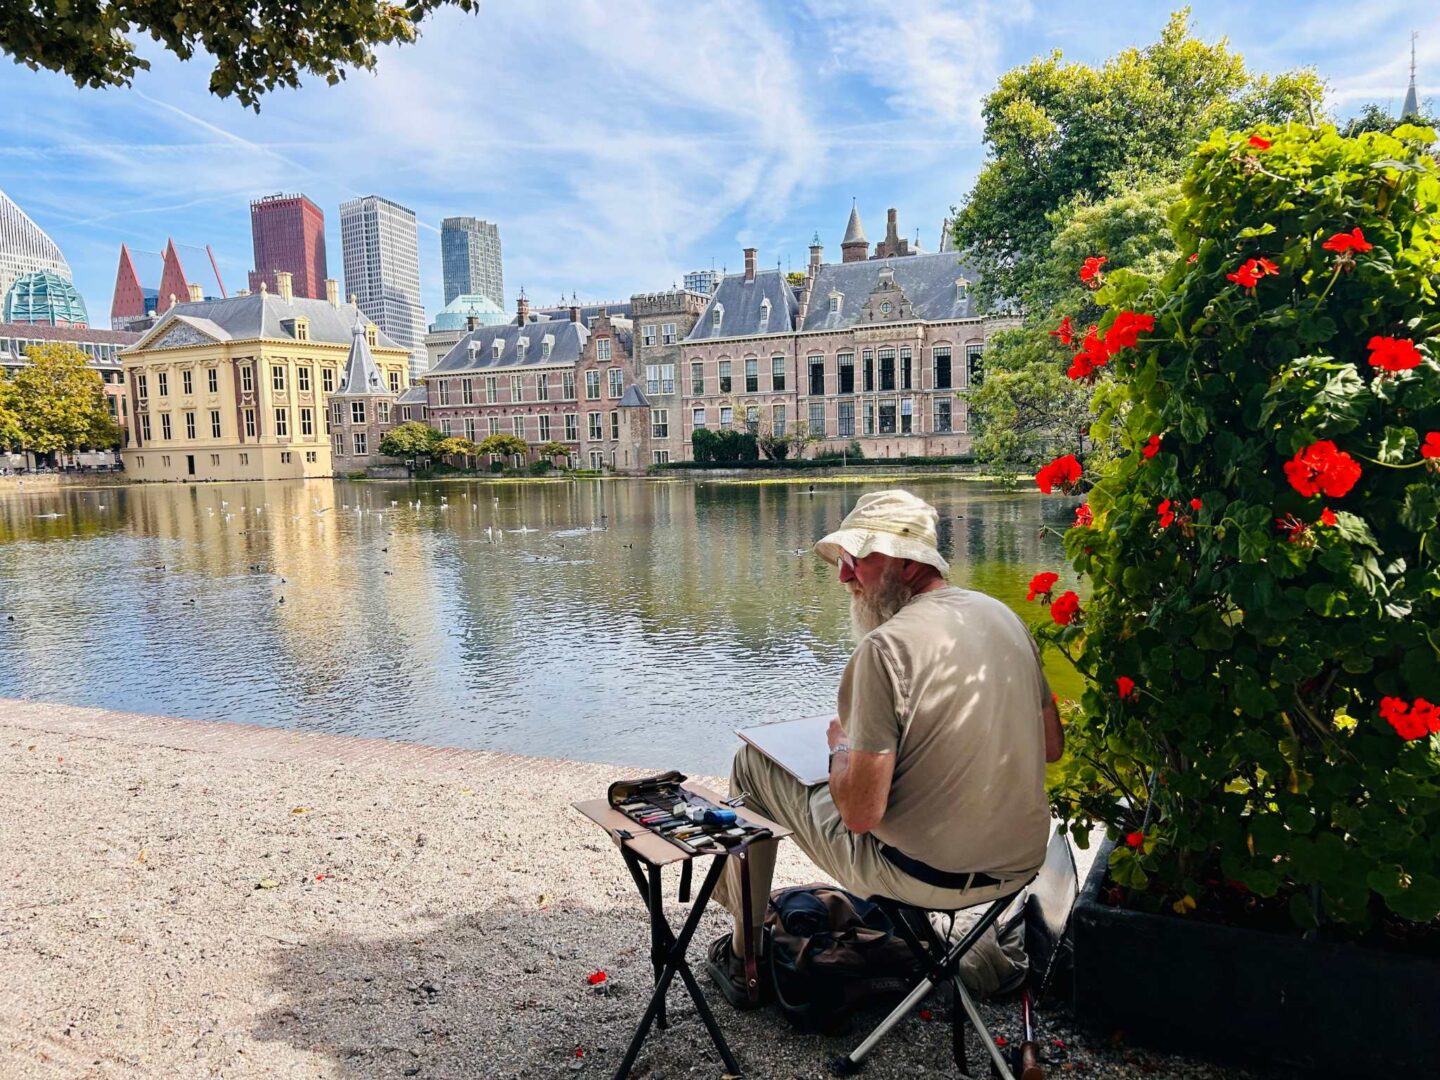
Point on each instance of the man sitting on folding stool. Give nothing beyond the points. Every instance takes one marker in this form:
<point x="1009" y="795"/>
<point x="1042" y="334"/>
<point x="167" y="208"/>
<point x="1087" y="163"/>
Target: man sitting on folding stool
<point x="936" y="795"/>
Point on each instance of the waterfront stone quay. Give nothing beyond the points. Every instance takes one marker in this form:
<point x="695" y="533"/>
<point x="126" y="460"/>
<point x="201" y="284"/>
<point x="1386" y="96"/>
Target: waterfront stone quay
<point x="190" y="899"/>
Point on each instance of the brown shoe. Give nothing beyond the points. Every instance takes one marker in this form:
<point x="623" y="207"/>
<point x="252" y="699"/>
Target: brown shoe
<point x="727" y="972"/>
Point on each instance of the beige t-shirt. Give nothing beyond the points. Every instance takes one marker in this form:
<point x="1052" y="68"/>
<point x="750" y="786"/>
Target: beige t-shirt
<point x="952" y="684"/>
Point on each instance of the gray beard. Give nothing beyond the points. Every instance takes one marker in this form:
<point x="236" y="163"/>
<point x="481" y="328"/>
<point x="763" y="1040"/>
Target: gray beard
<point x="871" y="609"/>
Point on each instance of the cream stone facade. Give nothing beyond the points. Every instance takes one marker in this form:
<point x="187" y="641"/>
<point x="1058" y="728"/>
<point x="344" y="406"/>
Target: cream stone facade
<point x="237" y="389"/>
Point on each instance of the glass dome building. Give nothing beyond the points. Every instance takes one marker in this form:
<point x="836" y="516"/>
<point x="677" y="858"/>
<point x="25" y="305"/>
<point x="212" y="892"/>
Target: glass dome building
<point x="43" y="296"/>
<point x="455" y="315"/>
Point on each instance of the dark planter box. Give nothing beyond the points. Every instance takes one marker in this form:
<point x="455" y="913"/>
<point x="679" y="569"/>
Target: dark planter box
<point x="1258" y="998"/>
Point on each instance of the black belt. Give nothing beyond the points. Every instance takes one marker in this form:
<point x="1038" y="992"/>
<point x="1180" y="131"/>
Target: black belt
<point x="941" y="879"/>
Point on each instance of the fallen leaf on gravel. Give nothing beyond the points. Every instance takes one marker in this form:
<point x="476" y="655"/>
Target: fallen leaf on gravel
<point x="300" y="810"/>
<point x="319" y="877"/>
<point x="597" y="978"/>
<point x="141" y="856"/>
<point x="466" y="791"/>
<point x="268" y="883"/>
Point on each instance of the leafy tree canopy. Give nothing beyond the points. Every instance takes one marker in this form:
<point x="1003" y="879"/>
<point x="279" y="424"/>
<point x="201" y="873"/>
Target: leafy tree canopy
<point x="257" y="45"/>
<point x="456" y="446"/>
<point x="553" y="449"/>
<point x="1373" y="118"/>
<point x="1061" y="133"/>
<point x="411" y="439"/>
<point x="57" y="403"/>
<point x="503" y="445"/>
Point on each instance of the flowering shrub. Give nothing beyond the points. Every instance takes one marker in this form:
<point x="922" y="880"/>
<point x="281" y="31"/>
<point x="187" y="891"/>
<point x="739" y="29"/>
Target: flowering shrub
<point x="1262" y="636"/>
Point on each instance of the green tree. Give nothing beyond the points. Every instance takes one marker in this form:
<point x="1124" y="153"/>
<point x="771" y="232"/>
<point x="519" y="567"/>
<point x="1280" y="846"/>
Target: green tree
<point x="1374" y="118"/>
<point x="1061" y="134"/>
<point x="1027" y="409"/>
<point x="256" y="45"/>
<point x="553" y="449"/>
<point x="411" y="439"/>
<point x="11" y="434"/>
<point x="456" y="446"/>
<point x="60" y="402"/>
<point x="503" y="446"/>
<point x="1265" y="561"/>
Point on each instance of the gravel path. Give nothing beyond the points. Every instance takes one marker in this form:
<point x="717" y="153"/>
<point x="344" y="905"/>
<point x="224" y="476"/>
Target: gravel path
<point x="182" y="900"/>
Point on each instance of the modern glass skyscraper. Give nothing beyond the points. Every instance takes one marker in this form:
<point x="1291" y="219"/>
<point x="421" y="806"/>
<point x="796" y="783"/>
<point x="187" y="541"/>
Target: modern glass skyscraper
<point x="24" y="247"/>
<point x="289" y="234"/>
<point x="470" y="254"/>
<point x="381" y="251"/>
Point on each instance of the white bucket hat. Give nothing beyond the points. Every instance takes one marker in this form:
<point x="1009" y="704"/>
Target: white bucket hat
<point x="894" y="523"/>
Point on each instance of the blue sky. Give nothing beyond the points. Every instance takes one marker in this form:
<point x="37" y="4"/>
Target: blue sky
<point x="619" y="143"/>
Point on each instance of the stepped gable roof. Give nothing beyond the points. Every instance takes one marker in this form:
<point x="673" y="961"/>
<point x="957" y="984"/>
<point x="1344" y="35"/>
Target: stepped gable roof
<point x="414" y="395"/>
<point x="854" y="231"/>
<point x="928" y="281"/>
<point x="476" y="350"/>
<point x="633" y="399"/>
<point x="361" y="377"/>
<point x="266" y="315"/>
<point x="741" y="303"/>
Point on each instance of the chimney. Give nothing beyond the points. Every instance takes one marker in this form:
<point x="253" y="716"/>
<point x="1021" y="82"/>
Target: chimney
<point x="283" y="286"/>
<point x="574" y="313"/>
<point x="471" y="322"/>
<point x="332" y="292"/>
<point x="749" y="264"/>
<point x="522" y="310"/>
<point x="816" y="251"/>
<point x="196" y="294"/>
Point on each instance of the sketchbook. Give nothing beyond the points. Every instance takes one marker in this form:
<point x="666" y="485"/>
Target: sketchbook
<point x="797" y="746"/>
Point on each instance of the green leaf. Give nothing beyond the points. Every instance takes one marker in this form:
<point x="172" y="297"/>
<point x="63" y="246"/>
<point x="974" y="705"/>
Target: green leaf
<point x="1418" y="510"/>
<point x="1397" y="445"/>
<point x="1302" y="911"/>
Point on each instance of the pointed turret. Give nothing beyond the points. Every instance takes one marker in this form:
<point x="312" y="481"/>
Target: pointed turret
<point x="172" y="279"/>
<point x="1412" y="100"/>
<point x="128" y="302"/>
<point x="361" y="374"/>
<point x="854" y="248"/>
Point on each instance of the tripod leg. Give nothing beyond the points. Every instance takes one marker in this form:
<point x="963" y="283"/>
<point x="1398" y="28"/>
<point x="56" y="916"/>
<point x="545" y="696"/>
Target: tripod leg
<point x="658" y="932"/>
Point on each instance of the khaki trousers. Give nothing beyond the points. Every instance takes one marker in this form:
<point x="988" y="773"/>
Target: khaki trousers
<point x="854" y="862"/>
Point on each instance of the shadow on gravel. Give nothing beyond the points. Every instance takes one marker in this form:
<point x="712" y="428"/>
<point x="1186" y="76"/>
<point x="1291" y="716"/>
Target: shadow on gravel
<point x="503" y="993"/>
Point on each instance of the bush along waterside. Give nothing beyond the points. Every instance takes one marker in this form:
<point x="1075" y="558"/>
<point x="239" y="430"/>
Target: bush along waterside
<point x="1260" y="634"/>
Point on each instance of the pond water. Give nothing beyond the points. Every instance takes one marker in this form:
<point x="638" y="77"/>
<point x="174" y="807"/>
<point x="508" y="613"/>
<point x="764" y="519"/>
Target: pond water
<point x="625" y="621"/>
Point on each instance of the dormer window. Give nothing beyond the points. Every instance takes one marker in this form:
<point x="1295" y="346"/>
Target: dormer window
<point x="370" y="338"/>
<point x="885" y="307"/>
<point x="835" y="299"/>
<point x="764" y="313"/>
<point x="520" y="346"/>
<point x="716" y="314"/>
<point x="962" y="289"/>
<point x="496" y="348"/>
<point x="545" y="345"/>
<point x="302" y="329"/>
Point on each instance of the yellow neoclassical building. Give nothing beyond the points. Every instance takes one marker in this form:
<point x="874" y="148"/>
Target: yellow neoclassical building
<point x="236" y="389"/>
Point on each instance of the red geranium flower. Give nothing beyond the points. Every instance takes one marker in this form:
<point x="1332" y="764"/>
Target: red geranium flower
<point x="1135" y="839"/>
<point x="1410" y="721"/>
<point x="1393" y="354"/>
<point x="1251" y="271"/>
<point x="1194" y="257"/>
<point x="1166" y="514"/>
<point x="1041" y="584"/>
<point x="1258" y="143"/>
<point x="1064" y="473"/>
<point x="1125" y="330"/>
<point x="1431" y="446"/>
<point x="1064" y="609"/>
<point x="1327" y="516"/>
<point x="1321" y="467"/>
<point x="1090" y="269"/>
<point x="1125" y="686"/>
<point x="1083" y="515"/>
<point x="1196" y="504"/>
<point x="1152" y="446"/>
<point x="1093" y="354"/>
<point x="1354" y="240"/>
<point x="1065" y="332"/>
<point x="1293" y="526"/>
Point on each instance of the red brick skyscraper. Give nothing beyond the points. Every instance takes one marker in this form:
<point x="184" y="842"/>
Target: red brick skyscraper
<point x="289" y="234"/>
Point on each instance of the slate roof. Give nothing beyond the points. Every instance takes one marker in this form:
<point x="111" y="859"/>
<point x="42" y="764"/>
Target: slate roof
<point x="265" y="315"/>
<point x="633" y="399"/>
<point x="568" y="340"/>
<point x="742" y="301"/>
<point x="362" y="377"/>
<point x="619" y="309"/>
<point x="928" y="281"/>
<point x="414" y="395"/>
